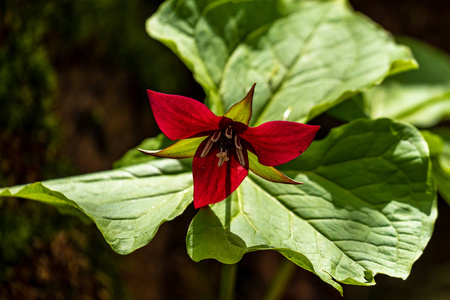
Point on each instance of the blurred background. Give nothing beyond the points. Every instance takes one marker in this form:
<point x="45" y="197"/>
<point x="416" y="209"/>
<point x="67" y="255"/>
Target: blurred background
<point x="73" y="76"/>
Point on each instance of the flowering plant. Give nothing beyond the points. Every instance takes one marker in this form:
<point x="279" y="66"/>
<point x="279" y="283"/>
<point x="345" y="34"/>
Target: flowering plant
<point x="224" y="148"/>
<point x="367" y="204"/>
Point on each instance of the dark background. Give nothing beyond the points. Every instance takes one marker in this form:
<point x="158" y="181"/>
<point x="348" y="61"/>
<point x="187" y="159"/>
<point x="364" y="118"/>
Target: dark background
<point x="73" y="76"/>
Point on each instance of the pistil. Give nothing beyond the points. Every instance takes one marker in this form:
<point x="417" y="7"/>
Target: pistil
<point x="223" y="157"/>
<point x="225" y="143"/>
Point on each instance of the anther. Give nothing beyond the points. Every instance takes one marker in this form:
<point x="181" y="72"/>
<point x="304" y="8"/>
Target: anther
<point x="216" y="136"/>
<point x="240" y="156"/>
<point x="237" y="142"/>
<point x="229" y="134"/>
<point x="239" y="151"/>
<point x="208" y="147"/>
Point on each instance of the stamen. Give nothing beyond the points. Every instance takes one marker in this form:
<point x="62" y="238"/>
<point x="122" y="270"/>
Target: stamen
<point x="239" y="152"/>
<point x="237" y="142"/>
<point x="229" y="134"/>
<point x="208" y="147"/>
<point x="223" y="157"/>
<point x="240" y="156"/>
<point x="216" y="136"/>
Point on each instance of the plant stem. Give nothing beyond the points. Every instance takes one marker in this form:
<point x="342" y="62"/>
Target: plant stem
<point x="280" y="280"/>
<point x="227" y="281"/>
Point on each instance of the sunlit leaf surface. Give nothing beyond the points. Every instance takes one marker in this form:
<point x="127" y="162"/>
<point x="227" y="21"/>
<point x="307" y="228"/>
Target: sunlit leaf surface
<point x="420" y="97"/>
<point x="305" y="56"/>
<point x="439" y="143"/>
<point x="128" y="205"/>
<point x="367" y="206"/>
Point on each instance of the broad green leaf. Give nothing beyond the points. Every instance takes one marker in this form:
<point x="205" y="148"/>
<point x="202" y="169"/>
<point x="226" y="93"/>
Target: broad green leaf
<point x="420" y="97"/>
<point x="47" y="196"/>
<point x="128" y="205"/>
<point x="351" y="109"/>
<point x="444" y="134"/>
<point x="367" y="206"/>
<point x="305" y="56"/>
<point x="133" y="156"/>
<point x="439" y="143"/>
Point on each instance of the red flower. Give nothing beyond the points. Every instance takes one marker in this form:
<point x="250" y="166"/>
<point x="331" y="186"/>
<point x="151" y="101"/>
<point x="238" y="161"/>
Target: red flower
<point x="224" y="148"/>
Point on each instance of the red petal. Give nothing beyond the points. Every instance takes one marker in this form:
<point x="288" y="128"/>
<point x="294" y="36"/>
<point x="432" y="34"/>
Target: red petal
<point x="181" y="117"/>
<point x="278" y="142"/>
<point x="212" y="183"/>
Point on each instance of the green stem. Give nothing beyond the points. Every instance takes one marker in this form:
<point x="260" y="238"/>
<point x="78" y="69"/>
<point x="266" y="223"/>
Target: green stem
<point x="227" y="281"/>
<point x="280" y="280"/>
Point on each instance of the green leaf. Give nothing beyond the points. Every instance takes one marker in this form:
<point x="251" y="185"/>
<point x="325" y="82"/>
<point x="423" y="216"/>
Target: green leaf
<point x="133" y="156"/>
<point x="439" y="143"/>
<point x="128" y="205"/>
<point x="435" y="143"/>
<point x="420" y="97"/>
<point x="444" y="134"/>
<point x="367" y="206"/>
<point x="306" y="56"/>
<point x="47" y="196"/>
<point x="351" y="109"/>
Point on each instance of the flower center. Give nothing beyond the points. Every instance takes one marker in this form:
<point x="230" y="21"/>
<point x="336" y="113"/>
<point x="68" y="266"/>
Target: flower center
<point x="226" y="141"/>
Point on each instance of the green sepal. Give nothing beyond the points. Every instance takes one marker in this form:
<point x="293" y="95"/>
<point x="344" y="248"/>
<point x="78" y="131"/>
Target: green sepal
<point x="181" y="149"/>
<point x="268" y="173"/>
<point x="242" y="111"/>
